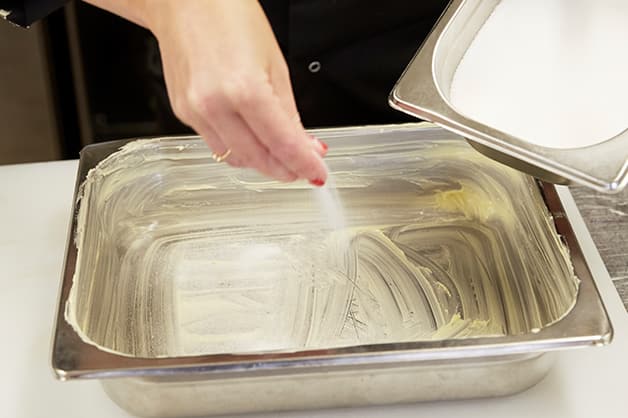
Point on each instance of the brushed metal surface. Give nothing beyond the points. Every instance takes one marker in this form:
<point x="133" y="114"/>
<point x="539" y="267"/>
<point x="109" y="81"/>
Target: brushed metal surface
<point x="325" y="388"/>
<point x="606" y="217"/>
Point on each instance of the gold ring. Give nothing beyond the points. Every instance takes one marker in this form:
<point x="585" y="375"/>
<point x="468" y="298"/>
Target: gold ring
<point x="221" y="158"/>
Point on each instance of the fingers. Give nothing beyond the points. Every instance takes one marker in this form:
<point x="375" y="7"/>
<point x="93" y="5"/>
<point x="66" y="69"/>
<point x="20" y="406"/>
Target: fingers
<point x="214" y="142"/>
<point x="255" y="126"/>
<point x="228" y="80"/>
<point x="282" y="86"/>
<point x="194" y="120"/>
<point x="217" y="146"/>
<point x="289" y="144"/>
<point x="238" y="158"/>
<point x="237" y="136"/>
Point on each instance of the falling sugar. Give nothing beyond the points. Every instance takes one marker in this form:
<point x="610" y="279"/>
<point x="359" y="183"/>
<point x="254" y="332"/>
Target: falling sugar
<point x="330" y="204"/>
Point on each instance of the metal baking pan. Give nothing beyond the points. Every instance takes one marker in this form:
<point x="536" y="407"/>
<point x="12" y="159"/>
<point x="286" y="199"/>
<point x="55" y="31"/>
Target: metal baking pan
<point x="191" y="288"/>
<point x="424" y="91"/>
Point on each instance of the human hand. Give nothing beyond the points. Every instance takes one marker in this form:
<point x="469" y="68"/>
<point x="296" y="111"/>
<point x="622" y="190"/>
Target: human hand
<point x="228" y="80"/>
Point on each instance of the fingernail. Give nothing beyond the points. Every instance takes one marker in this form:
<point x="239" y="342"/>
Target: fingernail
<point x="317" y="182"/>
<point x="324" y="145"/>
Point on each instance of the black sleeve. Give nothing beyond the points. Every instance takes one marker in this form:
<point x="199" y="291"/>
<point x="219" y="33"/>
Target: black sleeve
<point x="26" y="12"/>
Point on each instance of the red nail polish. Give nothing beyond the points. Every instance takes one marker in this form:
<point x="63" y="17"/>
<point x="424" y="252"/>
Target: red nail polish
<point x="324" y="145"/>
<point x="317" y="182"/>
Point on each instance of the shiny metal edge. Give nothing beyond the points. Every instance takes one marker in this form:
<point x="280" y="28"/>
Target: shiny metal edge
<point x="332" y="387"/>
<point x="587" y="324"/>
<point x="418" y="93"/>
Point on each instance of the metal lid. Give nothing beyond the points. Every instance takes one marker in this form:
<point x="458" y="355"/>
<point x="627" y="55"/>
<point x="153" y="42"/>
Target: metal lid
<point x="423" y="91"/>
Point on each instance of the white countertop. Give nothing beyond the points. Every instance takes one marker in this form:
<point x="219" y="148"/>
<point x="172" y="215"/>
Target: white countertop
<point x="35" y="204"/>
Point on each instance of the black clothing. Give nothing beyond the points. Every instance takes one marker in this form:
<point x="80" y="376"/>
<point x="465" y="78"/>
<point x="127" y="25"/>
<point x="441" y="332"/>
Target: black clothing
<point x="344" y="55"/>
<point x="26" y="12"/>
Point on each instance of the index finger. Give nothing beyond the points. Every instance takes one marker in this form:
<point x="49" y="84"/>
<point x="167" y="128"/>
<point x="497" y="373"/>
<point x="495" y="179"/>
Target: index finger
<point x="284" y="139"/>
